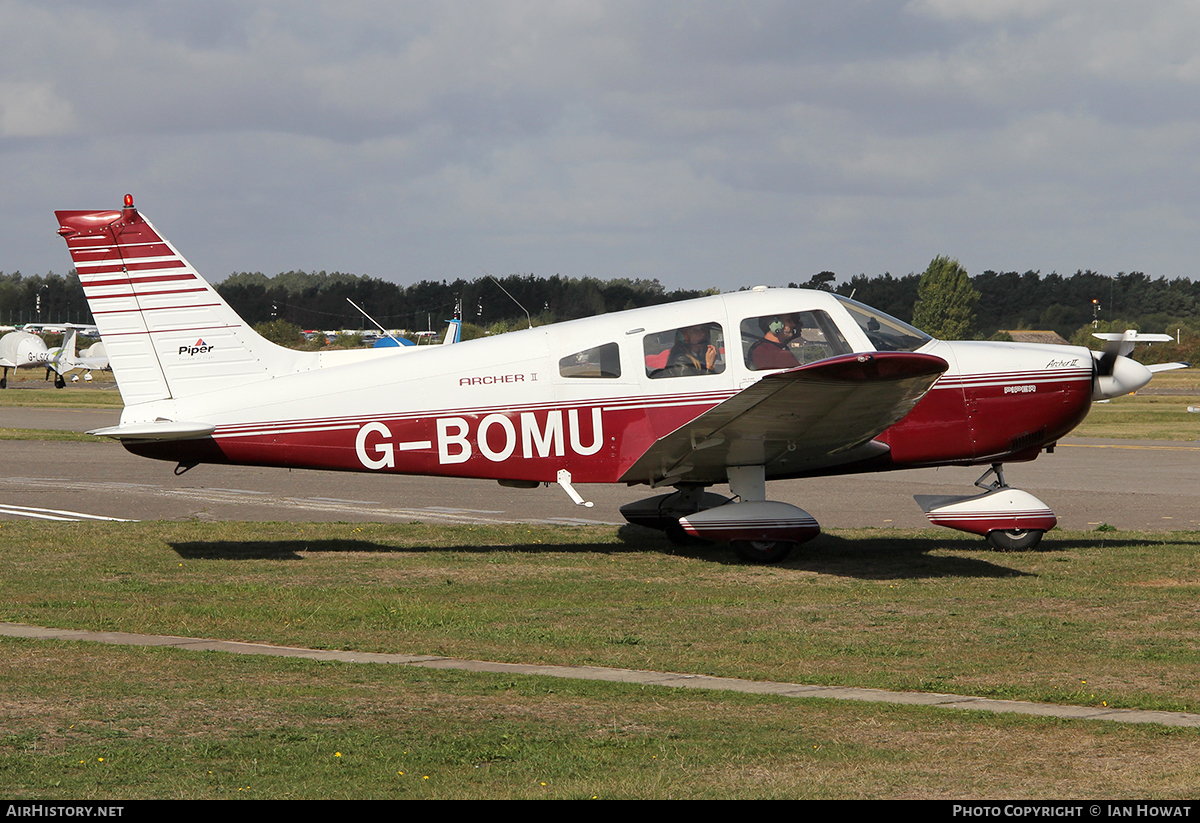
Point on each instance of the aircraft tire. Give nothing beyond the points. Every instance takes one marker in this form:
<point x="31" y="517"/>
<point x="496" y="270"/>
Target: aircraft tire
<point x="1015" y="540"/>
<point x="762" y="551"/>
<point x="3" y="382"/>
<point x="59" y="382"/>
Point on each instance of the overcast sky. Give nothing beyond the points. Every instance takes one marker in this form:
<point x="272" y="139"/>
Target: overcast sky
<point x="701" y="143"/>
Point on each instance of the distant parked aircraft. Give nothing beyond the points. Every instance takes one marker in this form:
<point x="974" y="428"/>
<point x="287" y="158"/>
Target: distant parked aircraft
<point x="22" y="350"/>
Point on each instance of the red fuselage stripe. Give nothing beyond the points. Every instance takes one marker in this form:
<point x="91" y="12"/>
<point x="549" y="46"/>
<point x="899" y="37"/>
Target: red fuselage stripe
<point x="159" y="308"/>
<point x="142" y="294"/>
<point x="161" y="278"/>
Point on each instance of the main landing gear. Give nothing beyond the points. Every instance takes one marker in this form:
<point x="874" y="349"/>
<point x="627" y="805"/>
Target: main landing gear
<point x="1010" y="519"/>
<point x="665" y="511"/>
<point x="758" y="530"/>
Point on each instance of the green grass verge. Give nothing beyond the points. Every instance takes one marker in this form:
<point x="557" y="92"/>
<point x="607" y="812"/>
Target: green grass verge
<point x="1093" y="619"/>
<point x="101" y="396"/>
<point x="82" y="720"/>
<point x="1143" y="417"/>
<point x="52" y="434"/>
<point x="1147" y="416"/>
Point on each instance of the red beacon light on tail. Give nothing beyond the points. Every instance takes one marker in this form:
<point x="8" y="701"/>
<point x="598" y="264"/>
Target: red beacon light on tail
<point x="129" y="214"/>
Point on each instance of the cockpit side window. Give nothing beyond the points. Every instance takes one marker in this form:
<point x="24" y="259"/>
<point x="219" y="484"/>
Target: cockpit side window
<point x="685" y="352"/>
<point x="598" y="362"/>
<point x="784" y="341"/>
<point x="885" y="332"/>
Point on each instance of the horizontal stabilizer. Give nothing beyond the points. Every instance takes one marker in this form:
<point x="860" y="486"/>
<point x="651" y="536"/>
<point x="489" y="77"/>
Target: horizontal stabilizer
<point x="158" y="430"/>
<point x="1122" y="343"/>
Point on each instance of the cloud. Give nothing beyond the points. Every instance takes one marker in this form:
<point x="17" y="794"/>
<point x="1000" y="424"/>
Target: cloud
<point x="33" y="110"/>
<point x="699" y="140"/>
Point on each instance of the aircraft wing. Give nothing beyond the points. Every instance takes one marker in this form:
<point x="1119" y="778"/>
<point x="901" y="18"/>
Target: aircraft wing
<point x="821" y="414"/>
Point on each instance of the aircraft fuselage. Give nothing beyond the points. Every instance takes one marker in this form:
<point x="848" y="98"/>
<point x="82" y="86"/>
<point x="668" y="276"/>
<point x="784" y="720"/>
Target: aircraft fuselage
<point x="592" y="395"/>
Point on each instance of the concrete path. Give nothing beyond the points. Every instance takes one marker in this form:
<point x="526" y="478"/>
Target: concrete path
<point x="646" y="678"/>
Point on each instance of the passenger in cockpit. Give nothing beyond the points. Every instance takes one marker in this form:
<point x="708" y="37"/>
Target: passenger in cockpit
<point x="693" y="353"/>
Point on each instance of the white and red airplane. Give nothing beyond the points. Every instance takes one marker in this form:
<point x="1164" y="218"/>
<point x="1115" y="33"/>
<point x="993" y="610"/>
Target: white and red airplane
<point x="23" y="350"/>
<point x="733" y="389"/>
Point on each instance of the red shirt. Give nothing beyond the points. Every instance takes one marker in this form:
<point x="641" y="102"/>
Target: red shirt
<point x="767" y="354"/>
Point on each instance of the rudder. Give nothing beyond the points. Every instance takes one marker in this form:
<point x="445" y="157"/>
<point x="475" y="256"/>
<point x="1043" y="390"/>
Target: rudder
<point x="167" y="332"/>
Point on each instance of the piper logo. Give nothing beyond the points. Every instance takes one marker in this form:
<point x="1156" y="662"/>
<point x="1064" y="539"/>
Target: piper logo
<point x="200" y="348"/>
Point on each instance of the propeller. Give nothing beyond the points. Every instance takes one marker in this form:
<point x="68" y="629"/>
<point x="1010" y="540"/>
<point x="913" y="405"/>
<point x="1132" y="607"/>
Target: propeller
<point x="1114" y="374"/>
<point x="1106" y="361"/>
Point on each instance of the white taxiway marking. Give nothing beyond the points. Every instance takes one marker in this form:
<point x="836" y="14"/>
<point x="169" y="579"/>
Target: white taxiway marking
<point x="430" y="514"/>
<point x="55" y="514"/>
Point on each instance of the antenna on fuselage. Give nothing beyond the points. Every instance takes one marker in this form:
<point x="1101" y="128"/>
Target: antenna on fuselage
<point x="510" y="297"/>
<point x="372" y="319"/>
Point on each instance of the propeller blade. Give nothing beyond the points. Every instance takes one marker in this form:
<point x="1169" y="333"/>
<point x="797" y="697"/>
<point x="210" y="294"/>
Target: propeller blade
<point x="1107" y="360"/>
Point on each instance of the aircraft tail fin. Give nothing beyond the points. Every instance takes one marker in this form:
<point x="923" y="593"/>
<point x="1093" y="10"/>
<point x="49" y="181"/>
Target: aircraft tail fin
<point x="66" y="360"/>
<point x="167" y="332"/>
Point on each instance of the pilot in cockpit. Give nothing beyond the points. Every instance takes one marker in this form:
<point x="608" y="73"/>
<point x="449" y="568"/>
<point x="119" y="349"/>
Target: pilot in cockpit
<point x="773" y="351"/>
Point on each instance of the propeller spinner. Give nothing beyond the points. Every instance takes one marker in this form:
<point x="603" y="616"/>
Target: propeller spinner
<point x="1114" y="374"/>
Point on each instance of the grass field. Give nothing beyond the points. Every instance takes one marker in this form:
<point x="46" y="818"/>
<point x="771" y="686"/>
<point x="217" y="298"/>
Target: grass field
<point x="1094" y="619"/>
<point x="28" y="387"/>
<point x="1099" y="619"/>
<point x="1147" y="415"/>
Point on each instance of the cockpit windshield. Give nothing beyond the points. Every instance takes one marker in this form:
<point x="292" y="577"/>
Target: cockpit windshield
<point x="885" y="332"/>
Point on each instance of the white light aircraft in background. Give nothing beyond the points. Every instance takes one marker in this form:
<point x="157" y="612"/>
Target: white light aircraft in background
<point x="22" y="350"/>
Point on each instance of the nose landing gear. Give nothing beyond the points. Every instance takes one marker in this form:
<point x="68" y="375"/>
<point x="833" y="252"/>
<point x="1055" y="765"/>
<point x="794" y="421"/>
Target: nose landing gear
<point x="1010" y="519"/>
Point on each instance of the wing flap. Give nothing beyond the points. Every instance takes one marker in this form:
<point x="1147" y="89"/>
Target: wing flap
<point x="823" y="413"/>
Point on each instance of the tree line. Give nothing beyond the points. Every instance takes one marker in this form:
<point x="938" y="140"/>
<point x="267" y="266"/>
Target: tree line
<point x="1031" y="300"/>
<point x="318" y="300"/>
<point x="48" y="298"/>
<point x="947" y="303"/>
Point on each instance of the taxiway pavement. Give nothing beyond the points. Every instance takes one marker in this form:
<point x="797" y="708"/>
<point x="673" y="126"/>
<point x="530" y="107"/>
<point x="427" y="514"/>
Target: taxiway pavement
<point x="1130" y="484"/>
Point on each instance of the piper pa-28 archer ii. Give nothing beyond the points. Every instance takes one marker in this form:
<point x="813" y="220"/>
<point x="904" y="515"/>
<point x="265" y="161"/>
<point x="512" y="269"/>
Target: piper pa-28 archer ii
<point x="733" y="389"/>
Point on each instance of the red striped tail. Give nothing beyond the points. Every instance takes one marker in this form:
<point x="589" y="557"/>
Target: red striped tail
<point x="167" y="332"/>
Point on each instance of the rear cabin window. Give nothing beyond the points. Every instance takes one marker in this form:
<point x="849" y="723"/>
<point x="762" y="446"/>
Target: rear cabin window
<point x="685" y="352"/>
<point x="784" y="341"/>
<point x="599" y="362"/>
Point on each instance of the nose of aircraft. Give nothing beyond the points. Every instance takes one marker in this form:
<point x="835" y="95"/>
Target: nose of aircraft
<point x="1124" y="376"/>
